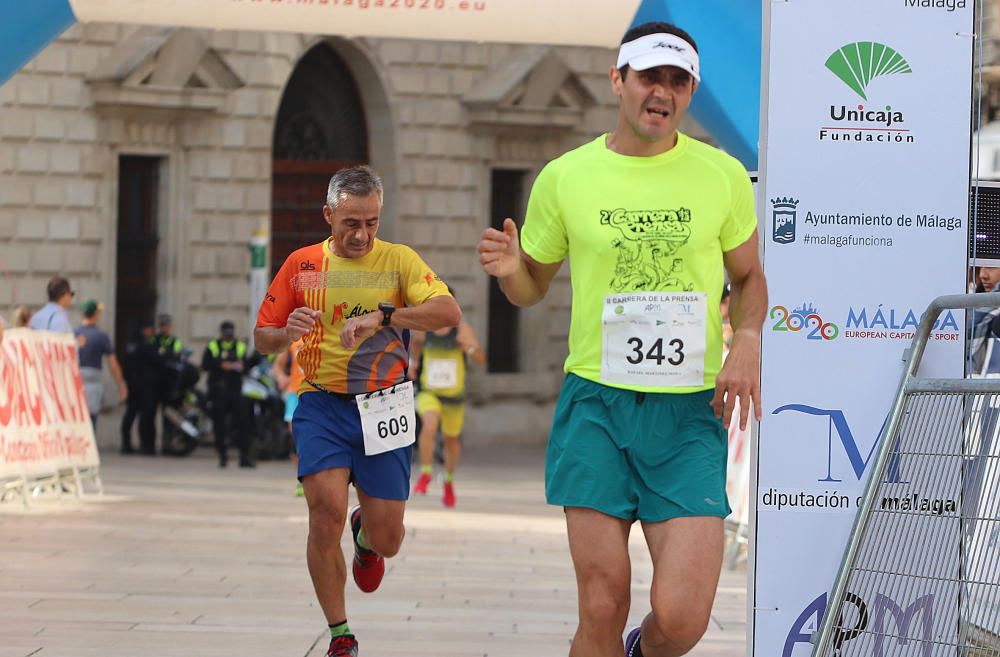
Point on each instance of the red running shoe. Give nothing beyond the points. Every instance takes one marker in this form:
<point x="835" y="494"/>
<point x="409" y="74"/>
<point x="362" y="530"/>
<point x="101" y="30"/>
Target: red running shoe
<point x="422" y="483"/>
<point x="448" y="499"/>
<point x="369" y="566"/>
<point x="343" y="646"/>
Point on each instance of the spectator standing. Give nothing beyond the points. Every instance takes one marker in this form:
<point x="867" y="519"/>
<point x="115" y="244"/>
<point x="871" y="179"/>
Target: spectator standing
<point x="93" y="346"/>
<point x="52" y="316"/>
<point x="21" y="317"/>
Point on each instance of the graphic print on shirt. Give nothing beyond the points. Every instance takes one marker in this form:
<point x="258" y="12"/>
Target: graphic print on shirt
<point x="648" y="241"/>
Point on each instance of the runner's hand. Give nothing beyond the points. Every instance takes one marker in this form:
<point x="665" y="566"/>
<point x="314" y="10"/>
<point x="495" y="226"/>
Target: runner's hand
<point x="301" y="321"/>
<point x="500" y="252"/>
<point x="358" y="328"/>
<point x="739" y="379"/>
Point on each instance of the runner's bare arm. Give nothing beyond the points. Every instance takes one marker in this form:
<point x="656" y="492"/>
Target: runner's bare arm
<point x="740" y="375"/>
<point x="417" y="339"/>
<point x="470" y="344"/>
<point x="433" y="314"/>
<point x="271" y="339"/>
<point x="523" y="280"/>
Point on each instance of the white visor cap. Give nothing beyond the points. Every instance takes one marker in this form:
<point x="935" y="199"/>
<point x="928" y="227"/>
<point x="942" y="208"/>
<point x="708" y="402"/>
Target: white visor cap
<point x="659" y="50"/>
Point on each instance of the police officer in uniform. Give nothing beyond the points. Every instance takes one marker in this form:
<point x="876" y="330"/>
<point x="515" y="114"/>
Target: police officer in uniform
<point x="171" y="349"/>
<point x="170" y="345"/>
<point x="225" y="360"/>
<point x="142" y="365"/>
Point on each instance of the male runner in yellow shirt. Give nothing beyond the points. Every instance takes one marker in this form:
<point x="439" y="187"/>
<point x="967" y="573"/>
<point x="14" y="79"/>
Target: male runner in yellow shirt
<point x="648" y="218"/>
<point x="351" y="297"/>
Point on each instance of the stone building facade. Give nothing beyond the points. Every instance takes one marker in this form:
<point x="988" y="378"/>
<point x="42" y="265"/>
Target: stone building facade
<point x="139" y="162"/>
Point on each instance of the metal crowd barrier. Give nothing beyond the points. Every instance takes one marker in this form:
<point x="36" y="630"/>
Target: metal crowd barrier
<point x="921" y="572"/>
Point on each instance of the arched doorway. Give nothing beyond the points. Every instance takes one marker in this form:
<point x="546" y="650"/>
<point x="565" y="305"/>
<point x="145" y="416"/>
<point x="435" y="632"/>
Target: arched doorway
<point x="321" y="128"/>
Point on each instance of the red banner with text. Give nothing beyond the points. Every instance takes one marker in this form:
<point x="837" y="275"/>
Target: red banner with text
<point x="44" y="420"/>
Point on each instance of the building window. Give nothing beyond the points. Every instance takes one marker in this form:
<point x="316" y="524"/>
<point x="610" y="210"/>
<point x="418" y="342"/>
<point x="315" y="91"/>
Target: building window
<point x="507" y="187"/>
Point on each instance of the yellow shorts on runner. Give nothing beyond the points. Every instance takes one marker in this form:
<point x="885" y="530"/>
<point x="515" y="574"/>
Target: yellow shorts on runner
<point x="452" y="412"/>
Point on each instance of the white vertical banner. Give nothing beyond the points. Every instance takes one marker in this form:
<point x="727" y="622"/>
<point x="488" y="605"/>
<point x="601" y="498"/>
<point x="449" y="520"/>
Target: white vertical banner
<point x="260" y="274"/>
<point x="866" y="179"/>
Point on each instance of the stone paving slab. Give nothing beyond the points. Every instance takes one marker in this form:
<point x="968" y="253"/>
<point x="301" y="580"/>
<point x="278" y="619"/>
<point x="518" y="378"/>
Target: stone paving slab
<point x="180" y="558"/>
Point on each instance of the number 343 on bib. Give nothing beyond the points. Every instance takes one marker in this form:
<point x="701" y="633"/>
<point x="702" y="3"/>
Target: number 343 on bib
<point x="654" y="339"/>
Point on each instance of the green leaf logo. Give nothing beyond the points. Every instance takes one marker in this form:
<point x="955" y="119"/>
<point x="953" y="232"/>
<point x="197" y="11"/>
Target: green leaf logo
<point x="857" y="64"/>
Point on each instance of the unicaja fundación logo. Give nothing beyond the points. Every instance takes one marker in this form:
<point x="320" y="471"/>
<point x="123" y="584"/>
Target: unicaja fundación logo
<point x="858" y="63"/>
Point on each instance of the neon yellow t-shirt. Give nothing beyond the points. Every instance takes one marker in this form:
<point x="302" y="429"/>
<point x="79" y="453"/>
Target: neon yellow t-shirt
<point x="443" y="372"/>
<point x="652" y="224"/>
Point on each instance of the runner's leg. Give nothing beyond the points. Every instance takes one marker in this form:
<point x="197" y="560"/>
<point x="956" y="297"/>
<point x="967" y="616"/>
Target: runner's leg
<point x="687" y="560"/>
<point x="431" y="420"/>
<point x="326" y="497"/>
<point x="382" y="523"/>
<point x="452" y="451"/>
<point x="599" y="546"/>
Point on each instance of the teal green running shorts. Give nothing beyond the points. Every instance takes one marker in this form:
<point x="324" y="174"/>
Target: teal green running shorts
<point x="636" y="456"/>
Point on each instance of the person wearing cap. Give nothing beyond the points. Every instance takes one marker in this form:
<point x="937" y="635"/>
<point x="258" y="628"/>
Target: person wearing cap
<point x="52" y="316"/>
<point x="650" y="219"/>
<point x="225" y="359"/>
<point x="142" y="368"/>
<point x="353" y="297"/>
<point x="93" y="345"/>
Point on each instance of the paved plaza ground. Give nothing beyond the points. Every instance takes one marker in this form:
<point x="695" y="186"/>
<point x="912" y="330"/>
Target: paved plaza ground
<point x="182" y="559"/>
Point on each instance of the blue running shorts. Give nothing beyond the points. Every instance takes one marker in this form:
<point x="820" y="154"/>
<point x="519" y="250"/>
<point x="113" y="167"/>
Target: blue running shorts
<point x="327" y="431"/>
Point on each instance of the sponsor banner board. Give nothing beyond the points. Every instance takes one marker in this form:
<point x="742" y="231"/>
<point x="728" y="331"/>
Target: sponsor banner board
<point x="865" y="217"/>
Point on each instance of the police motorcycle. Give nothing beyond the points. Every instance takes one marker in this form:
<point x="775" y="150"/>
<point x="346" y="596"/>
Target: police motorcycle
<point x="268" y="430"/>
<point x="187" y="418"/>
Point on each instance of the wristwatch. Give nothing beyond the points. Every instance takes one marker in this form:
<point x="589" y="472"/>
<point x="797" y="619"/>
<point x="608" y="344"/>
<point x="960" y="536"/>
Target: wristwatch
<point x="387" y="309"/>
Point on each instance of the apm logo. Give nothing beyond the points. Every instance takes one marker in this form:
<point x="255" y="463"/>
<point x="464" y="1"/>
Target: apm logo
<point x="857" y="64"/>
<point x="869" y="619"/>
<point x="837" y="424"/>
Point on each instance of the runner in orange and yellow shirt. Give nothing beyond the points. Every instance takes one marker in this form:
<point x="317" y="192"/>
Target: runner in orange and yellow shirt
<point x="351" y="298"/>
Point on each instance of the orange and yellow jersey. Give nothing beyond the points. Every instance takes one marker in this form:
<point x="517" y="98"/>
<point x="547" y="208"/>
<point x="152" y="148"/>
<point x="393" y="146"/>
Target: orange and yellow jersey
<point x="342" y="288"/>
